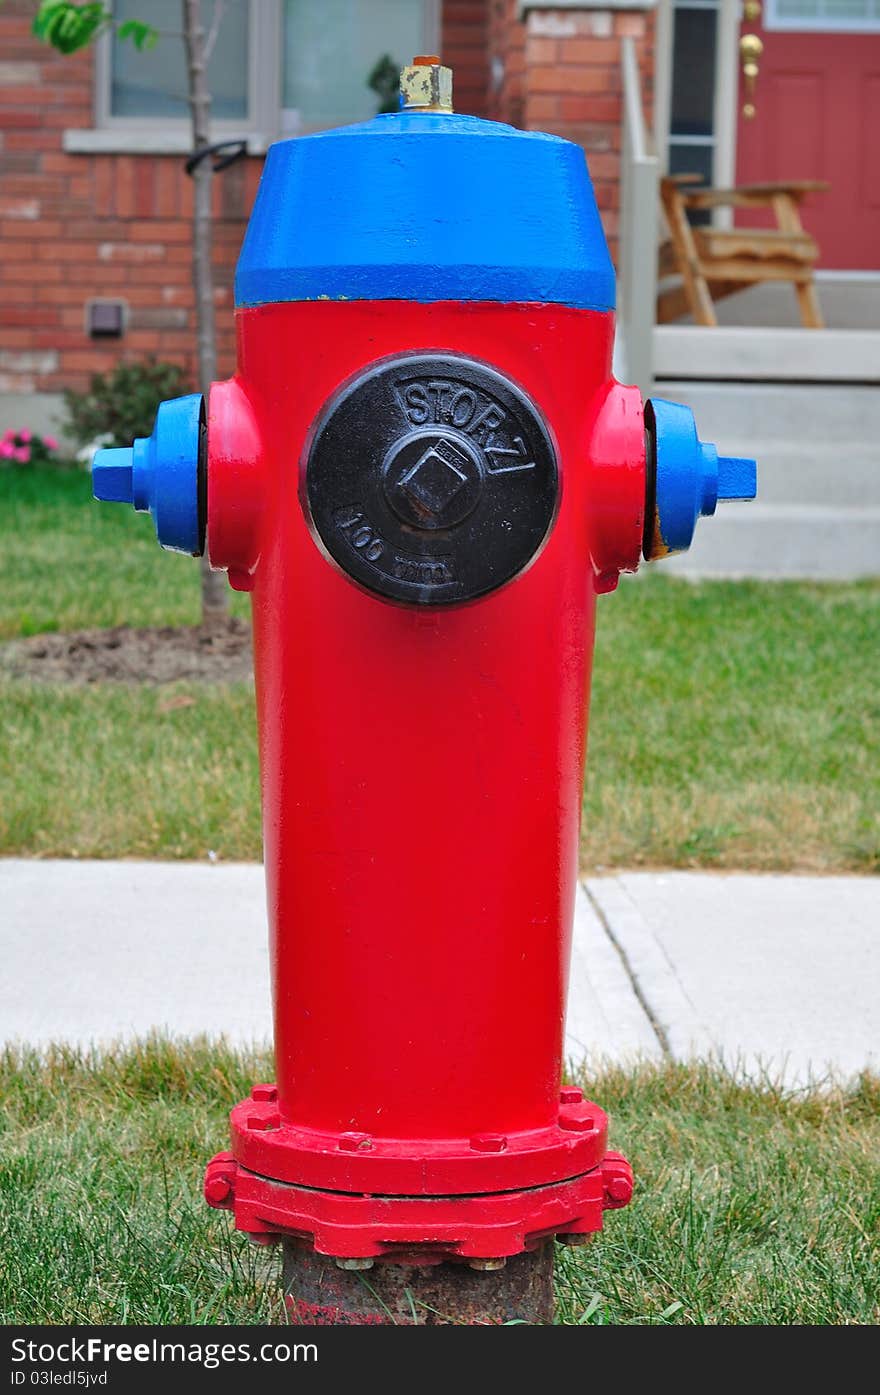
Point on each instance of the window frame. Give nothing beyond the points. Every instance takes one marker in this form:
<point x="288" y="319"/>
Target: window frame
<point x="168" y="135"/>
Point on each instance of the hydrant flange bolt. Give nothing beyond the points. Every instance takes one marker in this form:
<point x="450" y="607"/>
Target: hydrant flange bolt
<point x="217" y="1190"/>
<point x="618" y="1181"/>
<point x="219" y="1184"/>
<point x="264" y="1094"/>
<point x="576" y="1123"/>
<point x="264" y="1122"/>
<point x="489" y="1142"/>
<point x="354" y="1142"/>
<point x="355" y="1264"/>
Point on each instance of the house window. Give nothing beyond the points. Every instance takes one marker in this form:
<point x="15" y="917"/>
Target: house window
<point x="331" y="49"/>
<point x="277" y="67"/>
<point x="152" y="83"/>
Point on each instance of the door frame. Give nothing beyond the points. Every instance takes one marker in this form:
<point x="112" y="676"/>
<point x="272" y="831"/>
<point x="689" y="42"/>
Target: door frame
<point x="726" y="88"/>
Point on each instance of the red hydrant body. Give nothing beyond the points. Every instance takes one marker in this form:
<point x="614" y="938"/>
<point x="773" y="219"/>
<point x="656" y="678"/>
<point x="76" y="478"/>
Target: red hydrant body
<point x="421" y="797"/>
<point x="422" y="773"/>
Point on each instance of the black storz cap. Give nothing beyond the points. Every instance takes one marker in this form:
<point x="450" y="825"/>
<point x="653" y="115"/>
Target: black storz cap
<point x="431" y="479"/>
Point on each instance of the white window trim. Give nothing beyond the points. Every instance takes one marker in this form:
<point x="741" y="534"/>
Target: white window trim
<point x="162" y="136"/>
<point x="776" y="23"/>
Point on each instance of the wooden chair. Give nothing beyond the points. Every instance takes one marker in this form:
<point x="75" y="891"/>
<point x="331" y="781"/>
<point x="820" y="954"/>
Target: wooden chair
<point x="715" y="262"/>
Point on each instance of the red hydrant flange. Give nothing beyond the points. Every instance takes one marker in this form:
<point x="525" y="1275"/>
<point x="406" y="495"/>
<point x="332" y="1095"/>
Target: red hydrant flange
<point x="362" y="1197"/>
<point x="427" y="1229"/>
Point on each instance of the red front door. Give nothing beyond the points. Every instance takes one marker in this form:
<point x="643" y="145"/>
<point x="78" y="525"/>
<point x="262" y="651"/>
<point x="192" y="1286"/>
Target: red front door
<point x="817" y="116"/>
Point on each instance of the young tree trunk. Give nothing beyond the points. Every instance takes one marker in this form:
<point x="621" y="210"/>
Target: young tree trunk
<point x="215" y="602"/>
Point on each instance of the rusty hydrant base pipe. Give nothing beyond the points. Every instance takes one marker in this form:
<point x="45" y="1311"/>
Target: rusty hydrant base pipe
<point x="319" y="1292"/>
<point x="424" y="472"/>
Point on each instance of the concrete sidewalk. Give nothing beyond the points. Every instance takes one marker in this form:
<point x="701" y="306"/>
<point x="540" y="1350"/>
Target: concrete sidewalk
<point x="778" y="976"/>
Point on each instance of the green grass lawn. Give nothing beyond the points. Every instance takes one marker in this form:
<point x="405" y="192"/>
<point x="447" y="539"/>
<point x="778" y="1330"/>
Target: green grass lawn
<point x="69" y="563"/>
<point x="751" y="1206"/>
<point x="733" y="724"/>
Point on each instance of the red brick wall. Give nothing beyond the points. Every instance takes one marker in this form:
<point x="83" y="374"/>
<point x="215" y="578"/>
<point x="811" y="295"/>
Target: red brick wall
<point x="562" y="74"/>
<point x="464" y="49"/>
<point x="573" y="88"/>
<point x="77" y="226"/>
<point x="507" y="62"/>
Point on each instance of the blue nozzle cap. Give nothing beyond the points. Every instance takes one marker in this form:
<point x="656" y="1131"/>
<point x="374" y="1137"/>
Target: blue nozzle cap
<point x="689" y="477"/>
<point x="112" y="475"/>
<point x="159" y="475"/>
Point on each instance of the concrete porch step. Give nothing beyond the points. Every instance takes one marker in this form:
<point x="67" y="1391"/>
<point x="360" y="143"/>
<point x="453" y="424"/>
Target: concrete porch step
<point x="845" y="474"/>
<point x="795" y="414"/>
<point x="817" y="516"/>
<point x="784" y="541"/>
<point x="747" y="354"/>
<point x="848" y="300"/>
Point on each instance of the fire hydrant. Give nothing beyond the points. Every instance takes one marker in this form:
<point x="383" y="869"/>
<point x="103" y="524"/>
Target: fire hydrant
<point x="423" y="472"/>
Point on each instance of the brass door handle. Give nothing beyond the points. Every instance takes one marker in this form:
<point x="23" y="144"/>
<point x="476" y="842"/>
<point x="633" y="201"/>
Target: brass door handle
<point x="750" y="50"/>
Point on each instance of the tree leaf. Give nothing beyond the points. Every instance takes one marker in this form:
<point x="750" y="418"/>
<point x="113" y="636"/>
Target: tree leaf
<point x="142" y="35"/>
<point x="67" y="26"/>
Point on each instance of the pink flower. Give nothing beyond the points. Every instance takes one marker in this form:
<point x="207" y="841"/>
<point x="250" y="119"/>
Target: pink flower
<point x="22" y="454"/>
<point x="9" y="434"/>
<point x="7" y="449"/>
<point x="50" y="443"/>
<point x="24" y="436"/>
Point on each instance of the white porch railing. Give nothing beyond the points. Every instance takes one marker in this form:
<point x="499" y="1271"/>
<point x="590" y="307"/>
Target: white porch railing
<point x="639" y="214"/>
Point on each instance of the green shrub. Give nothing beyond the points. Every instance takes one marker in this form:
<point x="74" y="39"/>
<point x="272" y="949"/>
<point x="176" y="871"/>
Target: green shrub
<point x="121" y="405"/>
<point x="384" y="79"/>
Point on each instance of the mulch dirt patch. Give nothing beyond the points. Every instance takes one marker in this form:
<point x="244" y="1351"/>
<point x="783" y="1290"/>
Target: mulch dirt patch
<point x="221" y="654"/>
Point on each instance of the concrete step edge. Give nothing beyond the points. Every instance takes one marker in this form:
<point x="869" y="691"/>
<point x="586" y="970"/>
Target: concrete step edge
<point x="818" y="514"/>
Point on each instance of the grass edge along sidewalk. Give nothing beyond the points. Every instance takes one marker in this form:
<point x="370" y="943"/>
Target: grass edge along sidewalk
<point x="752" y="1206"/>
